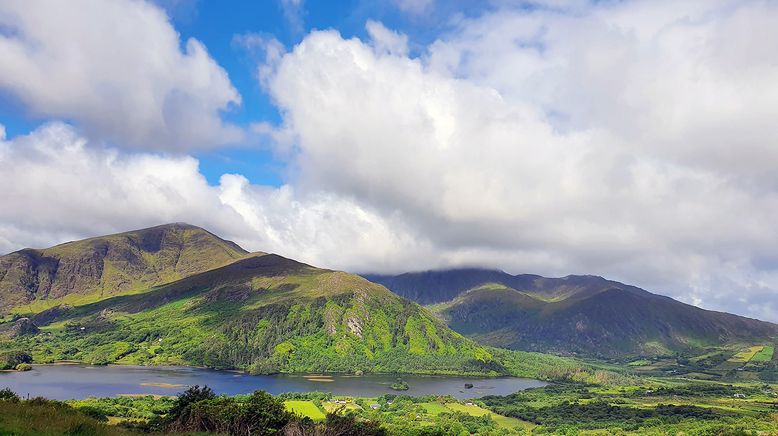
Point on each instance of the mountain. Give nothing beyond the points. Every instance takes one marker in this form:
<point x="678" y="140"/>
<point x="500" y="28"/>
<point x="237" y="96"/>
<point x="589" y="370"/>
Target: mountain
<point x="257" y="311"/>
<point x="96" y="268"/>
<point x="587" y="315"/>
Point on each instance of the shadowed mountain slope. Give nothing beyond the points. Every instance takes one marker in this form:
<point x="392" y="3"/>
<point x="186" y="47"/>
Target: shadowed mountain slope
<point x="575" y="314"/>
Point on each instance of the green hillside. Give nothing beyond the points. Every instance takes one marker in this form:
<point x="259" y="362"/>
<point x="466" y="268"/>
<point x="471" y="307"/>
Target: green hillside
<point x="586" y="315"/>
<point x="261" y="312"/>
<point x="92" y="269"/>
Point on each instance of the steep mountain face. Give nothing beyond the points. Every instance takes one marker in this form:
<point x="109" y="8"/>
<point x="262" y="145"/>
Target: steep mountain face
<point x="110" y="265"/>
<point x="575" y="314"/>
<point x="430" y="287"/>
<point x="262" y="312"/>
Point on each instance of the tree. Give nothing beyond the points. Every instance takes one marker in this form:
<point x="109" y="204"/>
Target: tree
<point x="190" y="396"/>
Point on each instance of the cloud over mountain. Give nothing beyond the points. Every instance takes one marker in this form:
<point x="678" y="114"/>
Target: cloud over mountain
<point x="625" y="139"/>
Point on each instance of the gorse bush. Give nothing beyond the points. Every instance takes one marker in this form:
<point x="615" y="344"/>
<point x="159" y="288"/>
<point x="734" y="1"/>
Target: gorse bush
<point x="193" y="395"/>
<point x="199" y="409"/>
<point x="8" y="395"/>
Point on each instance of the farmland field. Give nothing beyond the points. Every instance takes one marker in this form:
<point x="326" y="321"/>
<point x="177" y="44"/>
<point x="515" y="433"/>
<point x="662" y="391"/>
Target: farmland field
<point x="304" y="408"/>
<point x="435" y="409"/>
<point x="746" y="355"/>
<point x="502" y="421"/>
<point x="764" y="355"/>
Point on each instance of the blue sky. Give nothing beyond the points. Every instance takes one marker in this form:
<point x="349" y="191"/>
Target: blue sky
<point x="217" y="23"/>
<point x="638" y="144"/>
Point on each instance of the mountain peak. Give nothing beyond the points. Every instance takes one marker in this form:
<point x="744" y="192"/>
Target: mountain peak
<point x="103" y="266"/>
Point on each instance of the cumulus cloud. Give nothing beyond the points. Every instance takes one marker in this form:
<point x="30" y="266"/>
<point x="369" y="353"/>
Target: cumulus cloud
<point x="62" y="187"/>
<point x="624" y="139"/>
<point x="117" y="69"/>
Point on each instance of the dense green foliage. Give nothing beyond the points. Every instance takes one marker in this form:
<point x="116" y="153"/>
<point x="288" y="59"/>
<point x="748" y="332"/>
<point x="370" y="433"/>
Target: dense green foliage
<point x="648" y="406"/>
<point x="195" y="411"/>
<point x="660" y="406"/>
<point x="13" y="358"/>
<point x="261" y="312"/>
<point x="259" y="414"/>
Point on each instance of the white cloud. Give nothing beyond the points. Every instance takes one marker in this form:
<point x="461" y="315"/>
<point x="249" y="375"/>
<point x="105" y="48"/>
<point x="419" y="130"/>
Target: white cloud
<point x="415" y="7"/>
<point x="293" y="12"/>
<point x="117" y="69"/>
<point x="622" y="140"/>
<point x="60" y="187"/>
<point x="626" y="139"/>
<point x="385" y="40"/>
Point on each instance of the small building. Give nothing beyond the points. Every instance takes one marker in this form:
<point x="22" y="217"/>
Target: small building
<point x="739" y="395"/>
<point x="375" y="406"/>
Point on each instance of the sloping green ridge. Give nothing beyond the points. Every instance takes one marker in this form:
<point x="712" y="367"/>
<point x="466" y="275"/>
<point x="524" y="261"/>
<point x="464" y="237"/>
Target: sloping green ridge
<point x="265" y="313"/>
<point x="607" y="323"/>
<point x="85" y="271"/>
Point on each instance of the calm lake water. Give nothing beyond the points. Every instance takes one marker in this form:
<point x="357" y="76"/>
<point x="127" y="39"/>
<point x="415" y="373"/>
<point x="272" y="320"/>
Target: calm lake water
<point x="63" y="382"/>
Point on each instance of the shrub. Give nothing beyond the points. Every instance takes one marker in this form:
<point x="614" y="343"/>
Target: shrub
<point x="190" y="396"/>
<point x="23" y="367"/>
<point x="94" y="412"/>
<point x="8" y="395"/>
<point x="199" y="410"/>
<point x="9" y="359"/>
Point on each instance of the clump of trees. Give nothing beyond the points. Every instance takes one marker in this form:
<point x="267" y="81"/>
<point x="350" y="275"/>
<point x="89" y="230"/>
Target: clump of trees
<point x="196" y="410"/>
<point x="13" y="358"/>
<point x="200" y="410"/>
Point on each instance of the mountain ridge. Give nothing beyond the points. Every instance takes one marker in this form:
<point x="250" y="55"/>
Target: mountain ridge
<point x="587" y="315"/>
<point x="258" y="311"/>
<point x="108" y="265"/>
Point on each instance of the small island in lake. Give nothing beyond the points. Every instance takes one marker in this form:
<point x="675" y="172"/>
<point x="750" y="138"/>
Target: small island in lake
<point x="400" y="385"/>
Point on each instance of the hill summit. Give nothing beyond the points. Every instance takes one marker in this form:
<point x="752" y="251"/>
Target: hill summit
<point x="100" y="267"/>
<point x="177" y="294"/>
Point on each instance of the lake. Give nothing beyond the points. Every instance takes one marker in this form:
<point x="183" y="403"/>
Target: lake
<point x="62" y="382"/>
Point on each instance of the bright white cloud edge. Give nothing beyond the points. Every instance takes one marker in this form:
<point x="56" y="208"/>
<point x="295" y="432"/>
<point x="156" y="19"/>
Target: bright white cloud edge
<point x="466" y="156"/>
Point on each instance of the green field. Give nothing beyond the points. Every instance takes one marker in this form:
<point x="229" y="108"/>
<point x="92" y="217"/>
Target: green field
<point x="764" y="355"/>
<point x="305" y="409"/>
<point x="501" y="421"/>
<point x="746" y="355"/>
<point x="435" y="409"/>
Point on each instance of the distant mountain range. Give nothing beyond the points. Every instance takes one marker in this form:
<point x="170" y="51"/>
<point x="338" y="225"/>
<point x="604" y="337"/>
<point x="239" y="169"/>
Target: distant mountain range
<point x="586" y="315"/>
<point x="177" y="294"/>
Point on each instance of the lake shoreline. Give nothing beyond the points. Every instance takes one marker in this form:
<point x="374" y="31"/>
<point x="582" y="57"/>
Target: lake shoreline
<point x="73" y="381"/>
<point x="245" y="372"/>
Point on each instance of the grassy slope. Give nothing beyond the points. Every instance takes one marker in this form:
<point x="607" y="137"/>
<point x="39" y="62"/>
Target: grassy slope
<point x="609" y="323"/>
<point x="49" y="419"/>
<point x="86" y="271"/>
<point x="266" y="313"/>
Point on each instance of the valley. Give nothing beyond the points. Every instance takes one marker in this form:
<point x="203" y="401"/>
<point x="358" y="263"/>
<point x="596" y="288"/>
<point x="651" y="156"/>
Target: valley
<point x="116" y="326"/>
<point x="595" y="319"/>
